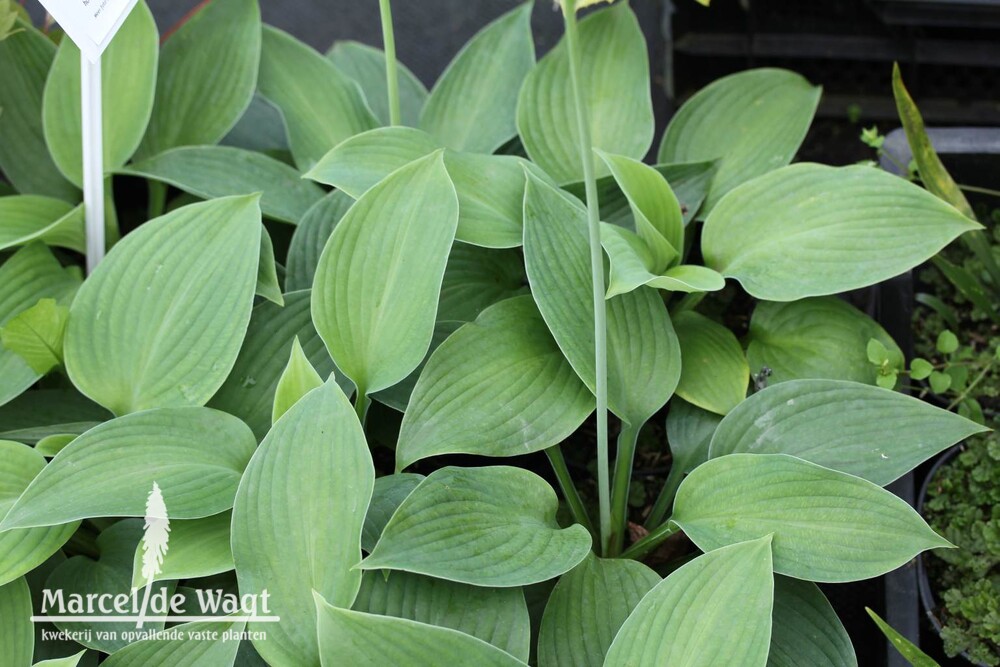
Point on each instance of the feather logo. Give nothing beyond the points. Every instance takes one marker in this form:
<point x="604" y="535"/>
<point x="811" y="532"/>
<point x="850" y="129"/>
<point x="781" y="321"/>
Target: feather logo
<point x="155" y="542"/>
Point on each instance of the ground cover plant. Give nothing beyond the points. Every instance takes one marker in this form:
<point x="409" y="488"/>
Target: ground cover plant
<point x="331" y="354"/>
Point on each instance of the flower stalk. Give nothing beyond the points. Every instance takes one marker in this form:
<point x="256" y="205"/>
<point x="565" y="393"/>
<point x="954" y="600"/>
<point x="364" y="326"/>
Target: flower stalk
<point x="391" y="67"/>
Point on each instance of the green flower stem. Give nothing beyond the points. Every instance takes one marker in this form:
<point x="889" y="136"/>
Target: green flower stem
<point x="640" y="549"/>
<point x="391" y="69"/>
<point x="666" y="498"/>
<point x="572" y="496"/>
<point x="157" y="199"/>
<point x="619" y="491"/>
<point x="596" y="269"/>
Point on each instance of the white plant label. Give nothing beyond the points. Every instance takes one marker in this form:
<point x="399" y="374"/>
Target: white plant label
<point x="90" y="23"/>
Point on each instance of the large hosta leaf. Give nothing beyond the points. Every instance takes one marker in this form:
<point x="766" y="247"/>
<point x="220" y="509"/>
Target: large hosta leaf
<point x="198" y="548"/>
<point x="249" y="390"/>
<point x="321" y="107"/>
<point x="874" y="433"/>
<point x="188" y="644"/>
<point x="17" y="636"/>
<point x="207" y="76"/>
<point x="811" y="230"/>
<point x="752" y="122"/>
<point x="27" y="55"/>
<point x="493" y="526"/>
<point x="643" y="353"/>
<point x="498" y="386"/>
<point x="220" y="171"/>
<point x="29" y="275"/>
<point x="160" y="322"/>
<point x="586" y="609"/>
<point x="310" y="238"/>
<point x="23" y="550"/>
<point x="806" y="630"/>
<point x="35" y="415"/>
<point x="472" y="107"/>
<point x="366" y="640"/>
<point x="377" y="283"/>
<point x="827" y="525"/>
<point x="302" y="504"/>
<point x="195" y="455"/>
<point x="128" y="71"/>
<point x="822" y="337"/>
<point x="714" y="374"/>
<point x="366" y="66"/>
<point x="390" y="492"/>
<point x="30" y="217"/>
<point x="495" y="615"/>
<point x="715" y="610"/>
<point x="615" y="78"/>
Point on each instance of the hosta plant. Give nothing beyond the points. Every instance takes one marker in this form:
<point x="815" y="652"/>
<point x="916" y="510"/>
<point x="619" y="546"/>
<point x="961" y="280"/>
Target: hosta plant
<point x="342" y="412"/>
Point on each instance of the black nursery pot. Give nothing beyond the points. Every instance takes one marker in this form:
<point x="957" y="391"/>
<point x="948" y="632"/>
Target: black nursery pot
<point x="927" y="598"/>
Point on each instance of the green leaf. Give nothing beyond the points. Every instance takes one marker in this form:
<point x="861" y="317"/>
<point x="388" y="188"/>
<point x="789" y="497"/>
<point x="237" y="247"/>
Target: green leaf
<point x="128" y="454"/>
<point x="366" y="640"/>
<point x="586" y="609"/>
<point x="302" y="504"/>
<point x="378" y="279"/>
<point x="362" y="161"/>
<point x="498" y="616"/>
<point x="321" y="107"/>
<point x="913" y="655"/>
<point x="726" y="597"/>
<point x="30" y="217"/>
<point x="68" y="661"/>
<point x="858" y="429"/>
<point x="110" y="574"/>
<point x="633" y="265"/>
<point x="128" y="68"/>
<point x="25" y="549"/>
<point x="476" y="278"/>
<point x="615" y="75"/>
<point x="207" y="76"/>
<point x="17" y="634"/>
<point x="38" y="414"/>
<point x="27" y="56"/>
<point x="198" y="548"/>
<point x="920" y="369"/>
<point x="498" y="386"/>
<point x="160" y="322"/>
<point x="689" y="432"/>
<point x="249" y="390"/>
<point x="297" y="380"/>
<point x="877" y="352"/>
<point x="805" y="628"/>
<point x="643" y="353"/>
<point x="810" y="230"/>
<point x="822" y="337"/>
<point x="947" y="342"/>
<point x="967" y="284"/>
<point x="398" y="395"/>
<point x="493" y="526"/>
<point x="390" y="491"/>
<point x="36" y="335"/>
<point x="262" y="129"/>
<point x="31" y="274"/>
<point x="474" y="103"/>
<point x="310" y="237"/>
<point x="940" y="382"/>
<point x="714" y="371"/>
<point x="219" y="171"/>
<point x="51" y="445"/>
<point x="366" y="66"/>
<point x="656" y="212"/>
<point x="828" y="526"/>
<point x="185" y="645"/>
<point x="267" y="285"/>
<point x="752" y="122"/>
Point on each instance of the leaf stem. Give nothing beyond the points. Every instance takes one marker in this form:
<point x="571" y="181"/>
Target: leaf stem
<point x="596" y="269"/>
<point x="627" y="440"/>
<point x="971" y="386"/>
<point x="391" y="67"/>
<point x="572" y="496"/>
<point x="361" y="404"/>
<point x="640" y="549"/>
<point x="157" y="199"/>
<point x="666" y="498"/>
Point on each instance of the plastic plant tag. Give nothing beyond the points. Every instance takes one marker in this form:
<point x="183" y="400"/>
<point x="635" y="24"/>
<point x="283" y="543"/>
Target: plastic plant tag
<point x="90" y="23"/>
